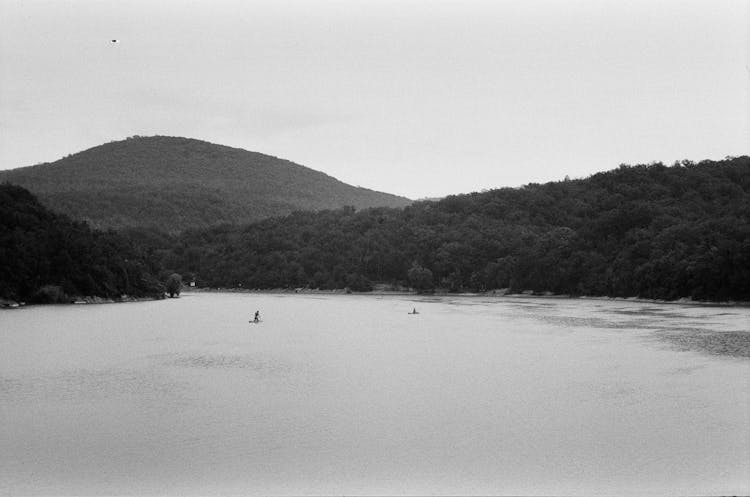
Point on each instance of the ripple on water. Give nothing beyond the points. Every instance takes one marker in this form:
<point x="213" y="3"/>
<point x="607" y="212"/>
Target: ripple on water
<point x="650" y="311"/>
<point x="78" y="384"/>
<point x="259" y="365"/>
<point x="666" y="327"/>
<point x="592" y="322"/>
<point x="730" y="343"/>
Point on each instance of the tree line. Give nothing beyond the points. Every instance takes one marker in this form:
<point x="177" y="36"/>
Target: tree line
<point x="648" y="230"/>
<point x="48" y="258"/>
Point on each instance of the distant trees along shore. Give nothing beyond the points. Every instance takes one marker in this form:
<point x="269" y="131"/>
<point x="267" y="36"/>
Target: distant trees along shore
<point x="650" y="231"/>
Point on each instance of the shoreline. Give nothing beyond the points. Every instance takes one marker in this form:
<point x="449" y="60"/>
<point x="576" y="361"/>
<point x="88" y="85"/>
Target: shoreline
<point x="6" y="304"/>
<point x="381" y="292"/>
<point x="498" y="294"/>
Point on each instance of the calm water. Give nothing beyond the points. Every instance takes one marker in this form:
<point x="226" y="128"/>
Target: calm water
<point x="351" y="395"/>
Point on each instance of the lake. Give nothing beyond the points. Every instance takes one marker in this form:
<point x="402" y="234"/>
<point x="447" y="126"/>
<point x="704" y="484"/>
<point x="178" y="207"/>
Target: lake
<point x="350" y="394"/>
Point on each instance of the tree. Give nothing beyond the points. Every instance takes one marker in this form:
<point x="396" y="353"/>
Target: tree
<point x="642" y="230"/>
<point x="174" y="285"/>
<point x="47" y="257"/>
<point x="420" y="277"/>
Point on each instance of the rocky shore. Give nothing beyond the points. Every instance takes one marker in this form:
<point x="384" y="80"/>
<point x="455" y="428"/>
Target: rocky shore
<point x="12" y="304"/>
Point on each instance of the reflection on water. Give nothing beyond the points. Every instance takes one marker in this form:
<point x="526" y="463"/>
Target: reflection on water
<point x="351" y="395"/>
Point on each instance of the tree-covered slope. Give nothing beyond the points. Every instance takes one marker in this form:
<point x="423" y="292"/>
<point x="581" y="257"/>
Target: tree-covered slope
<point x="649" y="230"/>
<point x="46" y="257"/>
<point x="177" y="183"/>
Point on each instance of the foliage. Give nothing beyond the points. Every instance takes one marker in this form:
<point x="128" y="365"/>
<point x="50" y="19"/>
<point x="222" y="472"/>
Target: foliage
<point x="49" y="294"/>
<point x="46" y="257"/>
<point x="420" y="278"/>
<point x="648" y="230"/>
<point x="174" y="285"/>
<point x="172" y="184"/>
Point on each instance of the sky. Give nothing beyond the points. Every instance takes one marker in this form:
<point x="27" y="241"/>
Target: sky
<point x="416" y="98"/>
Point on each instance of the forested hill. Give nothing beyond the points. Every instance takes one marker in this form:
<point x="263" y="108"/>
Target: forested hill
<point x="649" y="230"/>
<point x="46" y="257"/>
<point x="178" y="183"/>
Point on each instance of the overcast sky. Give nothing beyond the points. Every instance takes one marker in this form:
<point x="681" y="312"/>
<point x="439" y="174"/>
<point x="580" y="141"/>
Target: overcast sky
<point x="416" y="98"/>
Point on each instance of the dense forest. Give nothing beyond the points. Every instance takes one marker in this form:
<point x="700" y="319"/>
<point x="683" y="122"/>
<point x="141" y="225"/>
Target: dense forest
<point x="649" y="230"/>
<point x="48" y="258"/>
<point x="172" y="183"/>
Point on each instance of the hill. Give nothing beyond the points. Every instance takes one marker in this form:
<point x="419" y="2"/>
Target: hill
<point x="648" y="231"/>
<point x="173" y="184"/>
<point x="47" y="257"/>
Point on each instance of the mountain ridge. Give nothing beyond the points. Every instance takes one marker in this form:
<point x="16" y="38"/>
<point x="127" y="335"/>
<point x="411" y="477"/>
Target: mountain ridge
<point x="176" y="183"/>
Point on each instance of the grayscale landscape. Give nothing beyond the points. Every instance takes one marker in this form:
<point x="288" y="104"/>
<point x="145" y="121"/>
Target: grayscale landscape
<point x="374" y="247"/>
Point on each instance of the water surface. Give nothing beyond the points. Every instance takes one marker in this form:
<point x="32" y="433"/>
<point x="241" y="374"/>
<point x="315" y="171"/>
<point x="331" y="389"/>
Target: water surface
<point x="352" y="395"/>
